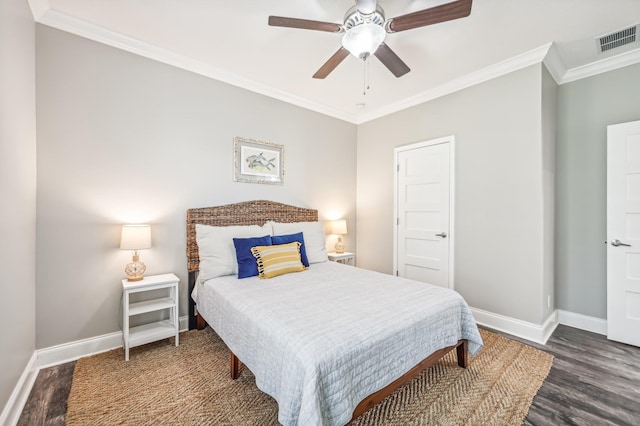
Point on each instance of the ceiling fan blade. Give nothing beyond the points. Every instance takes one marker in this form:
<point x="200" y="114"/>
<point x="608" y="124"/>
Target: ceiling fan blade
<point x="304" y="24"/>
<point x="332" y="63"/>
<point x="392" y="61"/>
<point x="446" y="12"/>
<point x="366" y="7"/>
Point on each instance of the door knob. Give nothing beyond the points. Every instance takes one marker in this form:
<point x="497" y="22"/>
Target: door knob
<point x="617" y="243"/>
<point x="442" y="234"/>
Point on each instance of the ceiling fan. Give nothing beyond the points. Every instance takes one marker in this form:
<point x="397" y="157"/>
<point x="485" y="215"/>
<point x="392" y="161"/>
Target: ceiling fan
<point x="365" y="28"/>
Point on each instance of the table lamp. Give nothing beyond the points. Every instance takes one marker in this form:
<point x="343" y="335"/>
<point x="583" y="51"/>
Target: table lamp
<point x="339" y="228"/>
<point x="135" y="237"/>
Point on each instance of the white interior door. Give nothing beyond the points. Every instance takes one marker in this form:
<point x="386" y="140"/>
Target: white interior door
<point x="424" y="214"/>
<point x="623" y="233"/>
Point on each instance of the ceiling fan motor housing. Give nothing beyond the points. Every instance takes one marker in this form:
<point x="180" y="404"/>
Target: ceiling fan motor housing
<point x="353" y="18"/>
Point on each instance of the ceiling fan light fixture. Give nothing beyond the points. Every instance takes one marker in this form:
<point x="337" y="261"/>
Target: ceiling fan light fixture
<point x="363" y="40"/>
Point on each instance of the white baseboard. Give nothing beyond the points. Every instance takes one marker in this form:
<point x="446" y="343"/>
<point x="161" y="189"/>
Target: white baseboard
<point x="56" y="355"/>
<point x="66" y="352"/>
<point x="539" y="333"/>
<point x="71" y="351"/>
<point x="533" y="332"/>
<point x="12" y="410"/>
<point x="583" y="322"/>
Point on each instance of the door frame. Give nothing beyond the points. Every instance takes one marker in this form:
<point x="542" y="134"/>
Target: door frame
<point x="451" y="140"/>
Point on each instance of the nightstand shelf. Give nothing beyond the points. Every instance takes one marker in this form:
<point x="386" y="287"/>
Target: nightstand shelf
<point x="150" y="306"/>
<point x="157" y="330"/>
<point x="147" y="333"/>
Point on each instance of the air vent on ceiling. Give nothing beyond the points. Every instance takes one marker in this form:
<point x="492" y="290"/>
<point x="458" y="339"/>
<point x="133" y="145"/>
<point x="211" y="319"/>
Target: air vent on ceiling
<point x="617" y="39"/>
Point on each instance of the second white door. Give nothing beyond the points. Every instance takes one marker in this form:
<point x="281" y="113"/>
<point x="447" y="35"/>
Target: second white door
<point x="623" y="233"/>
<point x="423" y="240"/>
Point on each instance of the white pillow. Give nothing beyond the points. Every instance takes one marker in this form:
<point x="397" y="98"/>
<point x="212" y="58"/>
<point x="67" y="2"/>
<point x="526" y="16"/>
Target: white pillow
<point x="216" y="250"/>
<point x="313" y="234"/>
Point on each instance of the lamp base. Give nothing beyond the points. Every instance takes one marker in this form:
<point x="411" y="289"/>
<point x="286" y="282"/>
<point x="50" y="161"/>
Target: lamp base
<point x="135" y="278"/>
<point x="135" y="270"/>
<point x="339" y="245"/>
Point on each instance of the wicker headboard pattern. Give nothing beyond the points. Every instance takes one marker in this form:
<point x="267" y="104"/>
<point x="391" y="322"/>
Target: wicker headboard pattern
<point x="245" y="213"/>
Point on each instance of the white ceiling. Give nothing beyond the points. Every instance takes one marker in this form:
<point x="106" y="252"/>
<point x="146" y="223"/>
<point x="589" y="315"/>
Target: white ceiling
<point x="231" y="41"/>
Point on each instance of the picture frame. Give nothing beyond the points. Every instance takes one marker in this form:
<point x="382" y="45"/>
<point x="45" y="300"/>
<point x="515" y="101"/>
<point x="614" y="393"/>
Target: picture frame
<point x="257" y="161"/>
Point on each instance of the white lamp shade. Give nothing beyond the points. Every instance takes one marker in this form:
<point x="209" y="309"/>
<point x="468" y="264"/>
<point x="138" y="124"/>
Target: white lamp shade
<point x="363" y="40"/>
<point x="135" y="237"/>
<point x="339" y="227"/>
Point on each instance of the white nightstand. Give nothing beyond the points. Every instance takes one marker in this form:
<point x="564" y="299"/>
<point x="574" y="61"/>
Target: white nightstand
<point x="146" y="333"/>
<point x="346" y="258"/>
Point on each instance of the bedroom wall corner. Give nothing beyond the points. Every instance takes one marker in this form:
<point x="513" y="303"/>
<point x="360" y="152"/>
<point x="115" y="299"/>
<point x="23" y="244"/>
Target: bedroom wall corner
<point x="18" y="206"/>
<point x="122" y="139"/>
<point x="549" y="104"/>
<point x="499" y="194"/>
<point x="585" y="108"/>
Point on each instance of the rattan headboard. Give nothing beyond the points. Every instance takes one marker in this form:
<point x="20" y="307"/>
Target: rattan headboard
<point x="246" y="213"/>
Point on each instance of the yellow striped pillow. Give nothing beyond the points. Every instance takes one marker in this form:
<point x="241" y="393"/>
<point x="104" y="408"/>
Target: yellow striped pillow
<point x="278" y="260"/>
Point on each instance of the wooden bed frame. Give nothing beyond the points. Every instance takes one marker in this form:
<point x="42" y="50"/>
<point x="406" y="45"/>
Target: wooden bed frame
<point x="258" y="213"/>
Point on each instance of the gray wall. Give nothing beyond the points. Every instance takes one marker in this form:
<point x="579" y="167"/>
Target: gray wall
<point x="17" y="191"/>
<point x="499" y="220"/>
<point x="126" y="139"/>
<point x="585" y="108"/>
<point x="549" y="146"/>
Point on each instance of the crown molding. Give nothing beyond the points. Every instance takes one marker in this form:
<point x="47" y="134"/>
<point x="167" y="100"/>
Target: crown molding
<point x="547" y="54"/>
<point x="79" y="27"/>
<point x="630" y="57"/>
<point x="488" y="73"/>
<point x="39" y="8"/>
<point x="554" y="63"/>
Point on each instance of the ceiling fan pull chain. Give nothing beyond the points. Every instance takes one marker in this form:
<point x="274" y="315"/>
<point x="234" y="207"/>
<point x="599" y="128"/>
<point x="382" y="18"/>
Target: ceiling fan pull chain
<point x="366" y="77"/>
<point x="368" y="73"/>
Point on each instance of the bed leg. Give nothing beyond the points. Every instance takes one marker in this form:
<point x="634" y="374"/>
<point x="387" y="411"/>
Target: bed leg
<point x="462" y="353"/>
<point x="235" y="366"/>
<point x="200" y="322"/>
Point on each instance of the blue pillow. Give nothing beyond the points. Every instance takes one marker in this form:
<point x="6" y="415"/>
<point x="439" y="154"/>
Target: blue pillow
<point x="247" y="264"/>
<point x="286" y="239"/>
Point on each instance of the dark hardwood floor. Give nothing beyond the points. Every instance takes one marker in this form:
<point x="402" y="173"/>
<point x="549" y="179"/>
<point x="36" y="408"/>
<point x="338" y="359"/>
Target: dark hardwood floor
<point x="593" y="381"/>
<point x="47" y="403"/>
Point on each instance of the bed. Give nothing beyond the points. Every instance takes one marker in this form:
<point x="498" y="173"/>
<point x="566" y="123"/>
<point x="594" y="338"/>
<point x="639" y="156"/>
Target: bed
<point x="330" y="342"/>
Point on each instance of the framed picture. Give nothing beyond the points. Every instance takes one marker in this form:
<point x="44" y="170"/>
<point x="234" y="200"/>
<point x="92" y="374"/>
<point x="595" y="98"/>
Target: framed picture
<point x="258" y="162"/>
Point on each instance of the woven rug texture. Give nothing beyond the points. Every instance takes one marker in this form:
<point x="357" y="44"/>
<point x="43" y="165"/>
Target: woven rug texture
<point x="190" y="385"/>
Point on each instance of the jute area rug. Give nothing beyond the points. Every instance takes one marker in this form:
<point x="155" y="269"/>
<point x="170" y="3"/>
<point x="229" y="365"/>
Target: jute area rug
<point x="190" y="385"/>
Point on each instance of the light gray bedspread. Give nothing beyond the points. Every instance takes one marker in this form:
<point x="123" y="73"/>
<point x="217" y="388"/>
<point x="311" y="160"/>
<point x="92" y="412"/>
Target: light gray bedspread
<point x="322" y="340"/>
